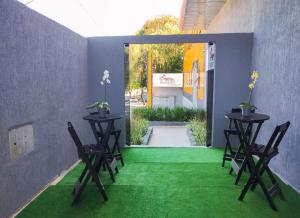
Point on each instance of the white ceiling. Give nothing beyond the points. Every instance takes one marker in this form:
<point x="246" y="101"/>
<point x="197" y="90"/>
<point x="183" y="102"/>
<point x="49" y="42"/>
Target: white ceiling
<point x="197" y="14"/>
<point x="104" y="17"/>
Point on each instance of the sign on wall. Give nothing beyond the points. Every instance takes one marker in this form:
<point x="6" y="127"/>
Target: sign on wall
<point x="211" y="56"/>
<point x="167" y="80"/>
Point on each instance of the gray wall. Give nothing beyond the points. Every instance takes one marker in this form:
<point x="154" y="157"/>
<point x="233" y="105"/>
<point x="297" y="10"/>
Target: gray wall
<point x="43" y="80"/>
<point x="170" y="91"/>
<point x="233" y="62"/>
<point x="276" y="27"/>
<point x="188" y="101"/>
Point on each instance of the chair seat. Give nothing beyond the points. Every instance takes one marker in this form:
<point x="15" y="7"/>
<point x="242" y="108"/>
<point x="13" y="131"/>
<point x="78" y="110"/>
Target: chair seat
<point x="92" y="149"/>
<point x="258" y="150"/>
<point x="114" y="132"/>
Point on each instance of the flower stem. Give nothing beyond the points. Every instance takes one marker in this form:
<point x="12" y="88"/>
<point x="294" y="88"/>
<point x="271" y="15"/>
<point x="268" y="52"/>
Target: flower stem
<point x="250" y="96"/>
<point x="105" y="92"/>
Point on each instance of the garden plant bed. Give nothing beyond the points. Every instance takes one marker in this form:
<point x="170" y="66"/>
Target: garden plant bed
<point x="144" y="119"/>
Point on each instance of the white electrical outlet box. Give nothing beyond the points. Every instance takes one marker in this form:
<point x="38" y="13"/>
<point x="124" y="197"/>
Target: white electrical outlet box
<point x="20" y="140"/>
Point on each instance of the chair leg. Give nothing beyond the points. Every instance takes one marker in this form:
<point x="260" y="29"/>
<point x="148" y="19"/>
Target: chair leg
<point x="265" y="190"/>
<point x="121" y="156"/>
<point x="274" y="182"/>
<point x="255" y="178"/>
<point x="243" y="167"/>
<point x="247" y="186"/>
<point x="255" y="183"/>
<point x="236" y="157"/>
<point x="95" y="176"/>
<point x="81" y="187"/>
<point x="111" y="173"/>
<point x="223" y="162"/>
<point x="225" y="150"/>
<point x="117" y="146"/>
<point x="99" y="184"/>
<point x="91" y="169"/>
<point x="82" y="175"/>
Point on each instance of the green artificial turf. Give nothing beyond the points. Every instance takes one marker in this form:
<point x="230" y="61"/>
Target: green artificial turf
<point x="163" y="182"/>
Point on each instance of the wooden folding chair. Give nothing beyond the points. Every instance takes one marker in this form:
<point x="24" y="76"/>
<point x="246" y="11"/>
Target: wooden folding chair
<point x="265" y="154"/>
<point x="116" y="151"/>
<point x="92" y="156"/>
<point x="229" y="153"/>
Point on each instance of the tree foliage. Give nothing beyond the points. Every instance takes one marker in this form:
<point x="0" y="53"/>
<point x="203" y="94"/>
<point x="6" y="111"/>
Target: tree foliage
<point x="166" y="58"/>
<point x="162" y="25"/>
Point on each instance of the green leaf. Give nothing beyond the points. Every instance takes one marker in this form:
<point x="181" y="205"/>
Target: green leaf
<point x="96" y="104"/>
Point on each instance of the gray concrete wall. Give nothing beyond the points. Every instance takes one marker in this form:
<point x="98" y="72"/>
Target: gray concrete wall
<point x="276" y="27"/>
<point x="43" y="80"/>
<point x="169" y="91"/>
<point x="233" y="62"/>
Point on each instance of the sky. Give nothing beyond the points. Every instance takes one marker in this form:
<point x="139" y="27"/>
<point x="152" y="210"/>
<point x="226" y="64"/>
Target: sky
<point x="104" y="17"/>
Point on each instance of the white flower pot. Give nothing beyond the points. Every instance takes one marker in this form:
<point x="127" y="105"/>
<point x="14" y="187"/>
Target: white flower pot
<point x="246" y="111"/>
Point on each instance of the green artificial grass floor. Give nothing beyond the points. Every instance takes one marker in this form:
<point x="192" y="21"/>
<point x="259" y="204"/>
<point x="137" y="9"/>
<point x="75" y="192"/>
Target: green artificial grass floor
<point x="163" y="182"/>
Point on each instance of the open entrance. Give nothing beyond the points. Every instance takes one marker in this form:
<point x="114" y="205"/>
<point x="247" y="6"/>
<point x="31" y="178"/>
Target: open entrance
<point x="169" y="94"/>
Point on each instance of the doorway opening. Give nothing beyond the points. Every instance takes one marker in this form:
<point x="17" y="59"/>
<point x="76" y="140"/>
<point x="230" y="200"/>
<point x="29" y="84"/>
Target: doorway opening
<point x="169" y="94"/>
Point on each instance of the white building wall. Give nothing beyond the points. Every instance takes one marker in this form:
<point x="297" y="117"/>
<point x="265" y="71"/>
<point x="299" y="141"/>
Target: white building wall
<point x="168" y="91"/>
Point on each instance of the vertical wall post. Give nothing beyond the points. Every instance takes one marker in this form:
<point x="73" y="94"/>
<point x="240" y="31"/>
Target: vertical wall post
<point x="149" y="85"/>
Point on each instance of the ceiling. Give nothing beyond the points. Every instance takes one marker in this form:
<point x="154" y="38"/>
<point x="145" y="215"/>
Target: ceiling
<point x="197" y="14"/>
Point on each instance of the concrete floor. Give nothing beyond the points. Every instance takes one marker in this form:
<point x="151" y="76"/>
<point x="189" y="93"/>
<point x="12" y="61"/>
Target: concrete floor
<point x="169" y="136"/>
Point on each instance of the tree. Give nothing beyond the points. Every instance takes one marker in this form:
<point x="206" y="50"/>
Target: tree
<point x="166" y="58"/>
<point x="162" y="25"/>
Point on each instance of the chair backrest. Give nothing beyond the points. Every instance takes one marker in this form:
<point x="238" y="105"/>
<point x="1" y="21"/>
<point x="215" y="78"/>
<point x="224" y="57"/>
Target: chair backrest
<point x="75" y="139"/>
<point x="233" y="110"/>
<point x="276" y="137"/>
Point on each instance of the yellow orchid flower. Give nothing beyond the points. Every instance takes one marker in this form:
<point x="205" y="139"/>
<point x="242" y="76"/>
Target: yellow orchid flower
<point x="251" y="86"/>
<point x="254" y="75"/>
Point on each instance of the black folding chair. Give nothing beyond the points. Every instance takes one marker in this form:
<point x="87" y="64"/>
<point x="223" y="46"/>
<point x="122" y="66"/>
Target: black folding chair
<point x="229" y="153"/>
<point x="92" y="156"/>
<point x="116" y="151"/>
<point x="265" y="154"/>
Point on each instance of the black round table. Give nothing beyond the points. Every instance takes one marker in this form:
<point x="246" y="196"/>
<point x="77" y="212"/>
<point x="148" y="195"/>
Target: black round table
<point x="245" y="139"/>
<point x="252" y="118"/>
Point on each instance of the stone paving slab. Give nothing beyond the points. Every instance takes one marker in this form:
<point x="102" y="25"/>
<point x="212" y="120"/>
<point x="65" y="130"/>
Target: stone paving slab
<point x="173" y="136"/>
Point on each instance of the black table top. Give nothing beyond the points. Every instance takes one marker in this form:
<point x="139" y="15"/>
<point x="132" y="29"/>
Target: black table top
<point x="252" y="118"/>
<point x="97" y="117"/>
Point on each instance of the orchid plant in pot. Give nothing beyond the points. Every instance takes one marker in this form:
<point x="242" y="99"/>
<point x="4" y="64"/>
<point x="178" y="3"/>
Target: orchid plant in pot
<point x="102" y="107"/>
<point x="246" y="106"/>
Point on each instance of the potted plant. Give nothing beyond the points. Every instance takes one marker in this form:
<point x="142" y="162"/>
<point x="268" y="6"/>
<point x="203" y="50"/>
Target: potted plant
<point x="246" y="106"/>
<point x="102" y="107"/>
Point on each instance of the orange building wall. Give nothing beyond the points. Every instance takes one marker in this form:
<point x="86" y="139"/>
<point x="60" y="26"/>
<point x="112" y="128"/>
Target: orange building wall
<point x="193" y="52"/>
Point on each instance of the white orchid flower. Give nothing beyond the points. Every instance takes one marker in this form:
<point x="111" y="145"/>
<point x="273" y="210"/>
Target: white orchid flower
<point x="106" y="77"/>
<point x="106" y="72"/>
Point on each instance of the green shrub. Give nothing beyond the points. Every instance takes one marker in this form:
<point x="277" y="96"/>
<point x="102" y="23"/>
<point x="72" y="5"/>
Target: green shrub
<point x="198" y="129"/>
<point x="138" y="129"/>
<point x="169" y="114"/>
